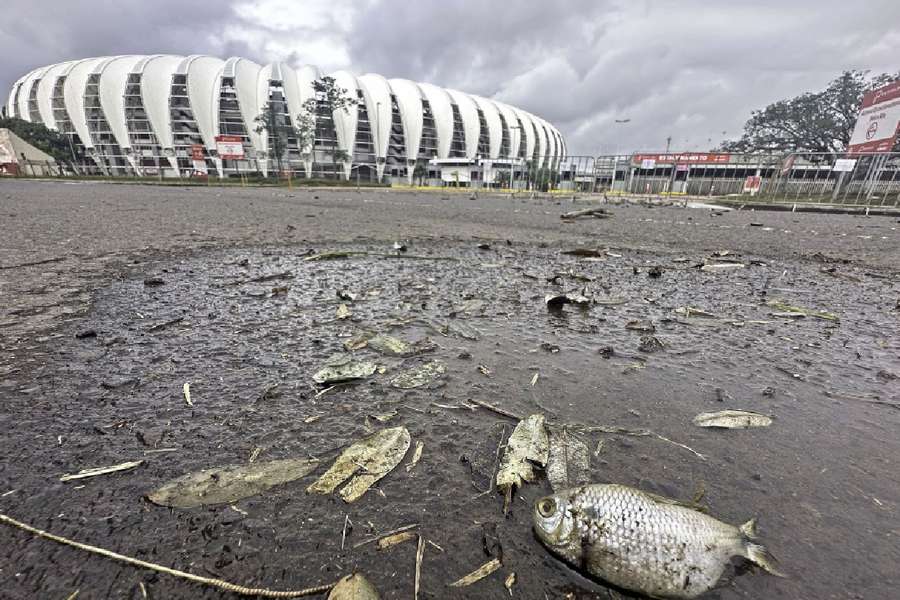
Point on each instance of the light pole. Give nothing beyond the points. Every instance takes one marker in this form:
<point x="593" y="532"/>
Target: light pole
<point x="377" y="135"/>
<point x="514" y="158"/>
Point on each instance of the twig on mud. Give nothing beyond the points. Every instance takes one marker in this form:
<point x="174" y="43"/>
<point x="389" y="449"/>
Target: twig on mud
<point x="217" y="583"/>
<point x="262" y="278"/>
<point x="186" y="389"/>
<point x="599" y="213"/>
<point x="494" y="409"/>
<point x="420" y="551"/>
<point x="384" y="535"/>
<point x="344" y="533"/>
<point x="688" y="448"/>
<point x="34" y="263"/>
<point x="159" y="326"/>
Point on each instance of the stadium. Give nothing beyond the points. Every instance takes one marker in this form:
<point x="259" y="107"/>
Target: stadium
<point x="175" y="116"/>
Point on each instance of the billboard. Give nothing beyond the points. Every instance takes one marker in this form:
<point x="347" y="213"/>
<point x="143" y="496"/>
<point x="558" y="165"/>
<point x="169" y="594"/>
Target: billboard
<point x="229" y="147"/>
<point x="683" y="158"/>
<point x="876" y="125"/>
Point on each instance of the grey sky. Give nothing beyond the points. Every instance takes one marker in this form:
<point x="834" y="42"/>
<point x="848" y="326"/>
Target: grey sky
<point x="690" y="69"/>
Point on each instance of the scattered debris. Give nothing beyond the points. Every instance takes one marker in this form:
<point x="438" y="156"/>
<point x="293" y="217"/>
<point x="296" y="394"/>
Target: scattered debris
<point x="646" y="326"/>
<point x="346" y="295"/>
<point x="691" y="311"/>
<point x="716" y="267"/>
<point x="88" y="333"/>
<point x="485" y="457"/>
<point x="585" y="252"/>
<point x="342" y="312"/>
<point x="528" y="445"/>
<point x="358" y="341"/>
<point x="420" y="552"/>
<point x="154" y="281"/>
<point x="332" y="256"/>
<point x="384" y="535"/>
<point x="419" y="376"/>
<point x="548" y="347"/>
<point x="82" y="474"/>
<point x="556" y="302"/>
<point x="391" y="346"/>
<point x="655" y="272"/>
<point x="160" y="326"/>
<point x="478" y="574"/>
<point x="416" y="457"/>
<point x="598" y="213"/>
<point x="568" y="462"/>
<point x="799" y="310"/>
<point x="484" y="370"/>
<point x="224" y="485"/>
<point x="186" y="389"/>
<point x="650" y="344"/>
<point x="398" y="538"/>
<point x="343" y="368"/>
<point x="264" y="278"/>
<point x="353" y="587"/>
<point x="509" y="582"/>
<point x="732" y="419"/>
<point x="372" y="458"/>
<point x="534" y="379"/>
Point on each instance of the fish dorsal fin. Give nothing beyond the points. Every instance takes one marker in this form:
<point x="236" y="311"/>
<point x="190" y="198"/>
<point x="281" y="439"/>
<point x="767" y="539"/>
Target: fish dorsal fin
<point x="670" y="501"/>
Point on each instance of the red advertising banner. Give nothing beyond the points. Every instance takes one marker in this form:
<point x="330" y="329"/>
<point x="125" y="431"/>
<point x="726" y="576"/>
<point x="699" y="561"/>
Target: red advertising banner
<point x="878" y="122"/>
<point x="684" y="158"/>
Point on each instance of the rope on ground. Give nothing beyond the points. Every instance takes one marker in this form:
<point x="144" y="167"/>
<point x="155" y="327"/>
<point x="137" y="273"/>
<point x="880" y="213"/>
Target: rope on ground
<point x="218" y="583"/>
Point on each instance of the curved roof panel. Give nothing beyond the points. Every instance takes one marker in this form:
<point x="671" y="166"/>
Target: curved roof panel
<point x="442" y="112"/>
<point x="156" y="87"/>
<point x="409" y="101"/>
<point x="112" y="96"/>
<point x="345" y="120"/>
<point x="45" y="93"/>
<point x="377" y="96"/>
<point x="204" y="75"/>
<point x="514" y="130"/>
<point x="25" y="92"/>
<point x="528" y="126"/>
<point x="73" y="96"/>
<point x="468" y="112"/>
<point x="494" y="125"/>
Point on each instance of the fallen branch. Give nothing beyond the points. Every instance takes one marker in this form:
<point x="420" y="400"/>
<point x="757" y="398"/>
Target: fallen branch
<point x="598" y="213"/>
<point x="217" y="583"/>
<point x="384" y="535"/>
<point x="34" y="263"/>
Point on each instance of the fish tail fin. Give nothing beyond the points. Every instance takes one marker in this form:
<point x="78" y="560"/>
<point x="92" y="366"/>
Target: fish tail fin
<point x="749" y="529"/>
<point x="757" y="554"/>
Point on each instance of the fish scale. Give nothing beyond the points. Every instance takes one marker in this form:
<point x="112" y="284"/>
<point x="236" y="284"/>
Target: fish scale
<point x="642" y="542"/>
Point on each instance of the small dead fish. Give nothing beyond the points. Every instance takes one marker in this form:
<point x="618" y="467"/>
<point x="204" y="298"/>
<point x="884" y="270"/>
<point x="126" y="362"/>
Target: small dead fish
<point x="643" y="542"/>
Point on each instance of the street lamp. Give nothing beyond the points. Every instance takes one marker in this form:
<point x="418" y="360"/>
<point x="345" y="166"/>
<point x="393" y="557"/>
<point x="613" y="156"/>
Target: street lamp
<point x="514" y="157"/>
<point x="377" y="135"/>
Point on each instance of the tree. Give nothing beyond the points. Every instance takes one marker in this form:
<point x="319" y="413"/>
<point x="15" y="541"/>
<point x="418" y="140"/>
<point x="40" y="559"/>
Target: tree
<point x="278" y="129"/>
<point x="52" y="142"/>
<point x="331" y="98"/>
<point x="812" y="122"/>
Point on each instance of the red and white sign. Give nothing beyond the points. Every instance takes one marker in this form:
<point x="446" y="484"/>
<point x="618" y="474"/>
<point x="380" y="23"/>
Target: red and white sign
<point x="752" y="184"/>
<point x="684" y="158"/>
<point x="878" y="121"/>
<point x="229" y="147"/>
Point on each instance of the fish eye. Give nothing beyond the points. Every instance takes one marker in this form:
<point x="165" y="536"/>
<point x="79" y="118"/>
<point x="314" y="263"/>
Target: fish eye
<point x="546" y="507"/>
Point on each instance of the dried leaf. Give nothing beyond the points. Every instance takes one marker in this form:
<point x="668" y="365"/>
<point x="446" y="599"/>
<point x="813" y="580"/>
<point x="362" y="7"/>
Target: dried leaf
<point x="358" y="341"/>
<point x="478" y="574"/>
<point x="809" y="312"/>
<point x="527" y="445"/>
<point x="419" y="376"/>
<point x="343" y="312"/>
<point x="372" y="458"/>
<point x="390" y="345"/>
<point x="691" y="311"/>
<point x="227" y="484"/>
<point x="397" y="538"/>
<point x="125" y="466"/>
<point x="353" y="587"/>
<point x="510" y="582"/>
<point x="568" y="462"/>
<point x="417" y="455"/>
<point x="732" y="419"/>
<point x="187" y="394"/>
<point x="344" y="369"/>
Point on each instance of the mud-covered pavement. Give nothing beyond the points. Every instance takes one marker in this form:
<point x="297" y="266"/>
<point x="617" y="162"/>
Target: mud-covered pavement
<point x="93" y="360"/>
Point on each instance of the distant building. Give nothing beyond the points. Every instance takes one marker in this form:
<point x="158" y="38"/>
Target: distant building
<point x="174" y="116"/>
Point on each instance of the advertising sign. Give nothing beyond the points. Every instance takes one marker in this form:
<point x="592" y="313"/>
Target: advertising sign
<point x="752" y="184"/>
<point x="686" y="157"/>
<point x="844" y="164"/>
<point x="229" y="147"/>
<point x="878" y="120"/>
<point x="648" y="163"/>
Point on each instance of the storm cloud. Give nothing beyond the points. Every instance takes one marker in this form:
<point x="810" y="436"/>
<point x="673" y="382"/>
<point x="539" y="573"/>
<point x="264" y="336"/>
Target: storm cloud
<point x="689" y="70"/>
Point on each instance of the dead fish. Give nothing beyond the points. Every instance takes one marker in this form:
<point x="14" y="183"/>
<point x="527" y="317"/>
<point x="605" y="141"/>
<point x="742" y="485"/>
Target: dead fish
<point x="732" y="419"/>
<point x="642" y="542"/>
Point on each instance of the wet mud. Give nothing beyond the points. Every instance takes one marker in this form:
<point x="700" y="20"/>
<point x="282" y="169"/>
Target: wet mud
<point x="248" y="322"/>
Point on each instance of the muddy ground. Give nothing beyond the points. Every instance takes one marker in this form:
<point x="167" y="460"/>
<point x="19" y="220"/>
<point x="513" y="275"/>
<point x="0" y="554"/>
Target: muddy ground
<point x="93" y="360"/>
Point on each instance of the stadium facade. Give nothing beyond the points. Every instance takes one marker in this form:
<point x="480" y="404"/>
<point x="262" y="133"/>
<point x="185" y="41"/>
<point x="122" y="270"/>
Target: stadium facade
<point x="175" y="115"/>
